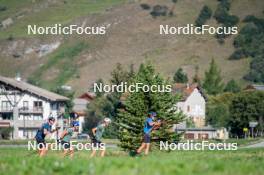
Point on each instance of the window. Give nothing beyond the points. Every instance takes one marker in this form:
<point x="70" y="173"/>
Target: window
<point x="20" y="117"/>
<point x="188" y="108"/>
<point x="198" y="110"/>
<point x="27" y="133"/>
<point x="37" y="117"/>
<point x="54" y="106"/>
<point x="7" y="116"/>
<point x="37" y="105"/>
<point x="25" y="117"/>
<point x="25" y="104"/>
<point x="30" y="117"/>
<point x="6" y="106"/>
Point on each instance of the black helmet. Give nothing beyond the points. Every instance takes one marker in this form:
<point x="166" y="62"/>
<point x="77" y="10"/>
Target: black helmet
<point x="51" y="119"/>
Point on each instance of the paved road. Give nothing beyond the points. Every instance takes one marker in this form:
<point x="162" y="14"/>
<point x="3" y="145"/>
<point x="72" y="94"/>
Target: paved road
<point x="256" y="145"/>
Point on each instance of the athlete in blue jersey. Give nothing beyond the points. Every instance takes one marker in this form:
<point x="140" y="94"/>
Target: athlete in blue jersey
<point x="148" y="127"/>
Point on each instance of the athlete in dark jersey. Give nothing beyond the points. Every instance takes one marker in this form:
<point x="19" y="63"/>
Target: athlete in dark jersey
<point x="41" y="134"/>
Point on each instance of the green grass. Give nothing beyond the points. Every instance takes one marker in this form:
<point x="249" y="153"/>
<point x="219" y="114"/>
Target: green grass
<point x="63" y="61"/>
<point x="12" y="7"/>
<point x="242" y="162"/>
<point x="60" y="13"/>
<point x="244" y="142"/>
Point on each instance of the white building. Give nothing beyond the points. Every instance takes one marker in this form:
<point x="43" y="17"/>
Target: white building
<point x="192" y="103"/>
<point x="25" y="107"/>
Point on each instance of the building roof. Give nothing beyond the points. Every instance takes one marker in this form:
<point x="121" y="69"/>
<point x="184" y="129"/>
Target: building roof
<point x="186" y="89"/>
<point x="87" y="96"/>
<point x="255" y="87"/>
<point x="23" y="86"/>
<point x="80" y="105"/>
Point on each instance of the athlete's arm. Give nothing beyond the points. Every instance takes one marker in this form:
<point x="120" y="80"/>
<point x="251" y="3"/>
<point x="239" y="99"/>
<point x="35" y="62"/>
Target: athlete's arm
<point x="63" y="134"/>
<point x="54" y="130"/>
<point x="94" y="130"/>
<point x="153" y="123"/>
<point x="45" y="131"/>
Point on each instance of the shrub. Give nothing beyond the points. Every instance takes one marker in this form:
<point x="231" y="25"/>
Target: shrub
<point x="249" y="42"/>
<point x="159" y="10"/>
<point x="10" y="38"/>
<point x="145" y="6"/>
<point x="256" y="74"/>
<point x="180" y="76"/>
<point x="222" y="16"/>
<point x="5" y="132"/>
<point x="232" y="86"/>
<point x="3" y="8"/>
<point x="204" y="15"/>
<point x="225" y="4"/>
<point x="249" y="18"/>
<point x="238" y="54"/>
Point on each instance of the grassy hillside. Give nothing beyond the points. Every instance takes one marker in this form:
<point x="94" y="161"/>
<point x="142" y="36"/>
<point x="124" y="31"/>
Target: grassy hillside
<point x="132" y="37"/>
<point x="46" y="13"/>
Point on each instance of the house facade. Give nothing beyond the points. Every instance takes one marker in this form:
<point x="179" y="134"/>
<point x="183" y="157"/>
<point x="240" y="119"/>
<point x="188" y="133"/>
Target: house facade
<point x="192" y="103"/>
<point x="24" y="107"/>
<point x="193" y="106"/>
<point x="204" y="133"/>
<point x="80" y="107"/>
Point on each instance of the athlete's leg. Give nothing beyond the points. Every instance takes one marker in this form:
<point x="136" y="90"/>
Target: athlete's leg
<point x="147" y="148"/>
<point x="143" y="145"/>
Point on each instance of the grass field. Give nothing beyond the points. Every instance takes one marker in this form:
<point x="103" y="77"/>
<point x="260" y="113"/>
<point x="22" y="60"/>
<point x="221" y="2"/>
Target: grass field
<point x="240" y="162"/>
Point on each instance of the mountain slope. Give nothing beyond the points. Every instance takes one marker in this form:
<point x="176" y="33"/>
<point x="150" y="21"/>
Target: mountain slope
<point x="132" y="37"/>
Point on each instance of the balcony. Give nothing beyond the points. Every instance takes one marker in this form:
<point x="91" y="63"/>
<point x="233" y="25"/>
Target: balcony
<point x="6" y="110"/>
<point x="5" y="123"/>
<point x="34" y="110"/>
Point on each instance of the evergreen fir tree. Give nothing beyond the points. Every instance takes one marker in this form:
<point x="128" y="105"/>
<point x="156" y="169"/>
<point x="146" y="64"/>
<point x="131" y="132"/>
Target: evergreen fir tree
<point x="180" y="76"/>
<point x="196" y="78"/>
<point x="96" y="91"/>
<point x="232" y="86"/>
<point x="213" y="81"/>
<point x="119" y="74"/>
<point x="106" y="105"/>
<point x="137" y="105"/>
